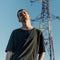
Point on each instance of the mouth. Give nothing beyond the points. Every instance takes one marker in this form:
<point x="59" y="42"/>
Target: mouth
<point x="22" y="18"/>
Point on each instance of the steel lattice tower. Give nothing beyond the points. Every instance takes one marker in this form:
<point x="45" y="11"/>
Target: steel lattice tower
<point x="45" y="26"/>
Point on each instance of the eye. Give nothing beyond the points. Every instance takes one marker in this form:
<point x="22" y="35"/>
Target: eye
<point x="20" y="14"/>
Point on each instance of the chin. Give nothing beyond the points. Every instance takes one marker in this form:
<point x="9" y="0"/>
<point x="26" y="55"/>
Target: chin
<point x="22" y="20"/>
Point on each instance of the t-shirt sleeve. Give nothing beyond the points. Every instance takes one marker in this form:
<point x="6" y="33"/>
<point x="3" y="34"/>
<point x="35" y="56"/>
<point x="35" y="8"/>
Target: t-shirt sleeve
<point x="10" y="45"/>
<point x="41" y="43"/>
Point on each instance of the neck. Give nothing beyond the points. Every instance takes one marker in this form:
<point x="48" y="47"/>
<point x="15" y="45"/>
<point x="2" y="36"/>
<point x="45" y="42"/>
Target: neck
<point x="26" y="25"/>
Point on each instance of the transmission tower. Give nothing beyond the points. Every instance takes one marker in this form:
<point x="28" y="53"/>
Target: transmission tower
<point x="45" y="26"/>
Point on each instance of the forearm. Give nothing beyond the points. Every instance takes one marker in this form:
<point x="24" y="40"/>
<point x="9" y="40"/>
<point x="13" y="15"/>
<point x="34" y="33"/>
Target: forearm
<point x="8" y="55"/>
<point x="42" y="56"/>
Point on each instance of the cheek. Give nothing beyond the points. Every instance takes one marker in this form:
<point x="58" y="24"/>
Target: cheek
<point x="19" y="19"/>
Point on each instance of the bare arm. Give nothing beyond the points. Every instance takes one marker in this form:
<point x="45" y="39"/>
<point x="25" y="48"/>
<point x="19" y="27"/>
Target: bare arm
<point x="42" y="56"/>
<point x="8" y="55"/>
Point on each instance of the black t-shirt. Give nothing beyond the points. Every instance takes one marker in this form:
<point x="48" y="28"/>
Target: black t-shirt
<point x="18" y="39"/>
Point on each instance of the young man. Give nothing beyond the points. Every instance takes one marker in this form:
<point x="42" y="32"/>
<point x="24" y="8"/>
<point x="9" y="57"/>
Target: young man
<point x="21" y="48"/>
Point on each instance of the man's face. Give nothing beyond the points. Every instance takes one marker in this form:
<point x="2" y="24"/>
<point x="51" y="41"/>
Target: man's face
<point x="23" y="15"/>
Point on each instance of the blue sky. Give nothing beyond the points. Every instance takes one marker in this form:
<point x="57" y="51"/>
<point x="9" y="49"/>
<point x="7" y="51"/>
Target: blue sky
<point x="9" y="21"/>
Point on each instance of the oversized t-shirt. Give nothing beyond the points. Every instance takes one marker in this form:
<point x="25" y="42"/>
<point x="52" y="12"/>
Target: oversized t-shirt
<point x="19" y="37"/>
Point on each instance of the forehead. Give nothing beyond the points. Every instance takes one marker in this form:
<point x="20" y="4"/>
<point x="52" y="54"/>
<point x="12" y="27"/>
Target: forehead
<point x="22" y="11"/>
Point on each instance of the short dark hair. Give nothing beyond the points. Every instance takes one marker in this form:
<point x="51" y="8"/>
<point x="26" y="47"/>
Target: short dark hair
<point x="20" y="11"/>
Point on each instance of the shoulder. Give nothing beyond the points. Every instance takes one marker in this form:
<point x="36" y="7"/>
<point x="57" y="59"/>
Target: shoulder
<point x="15" y="31"/>
<point x="38" y="30"/>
